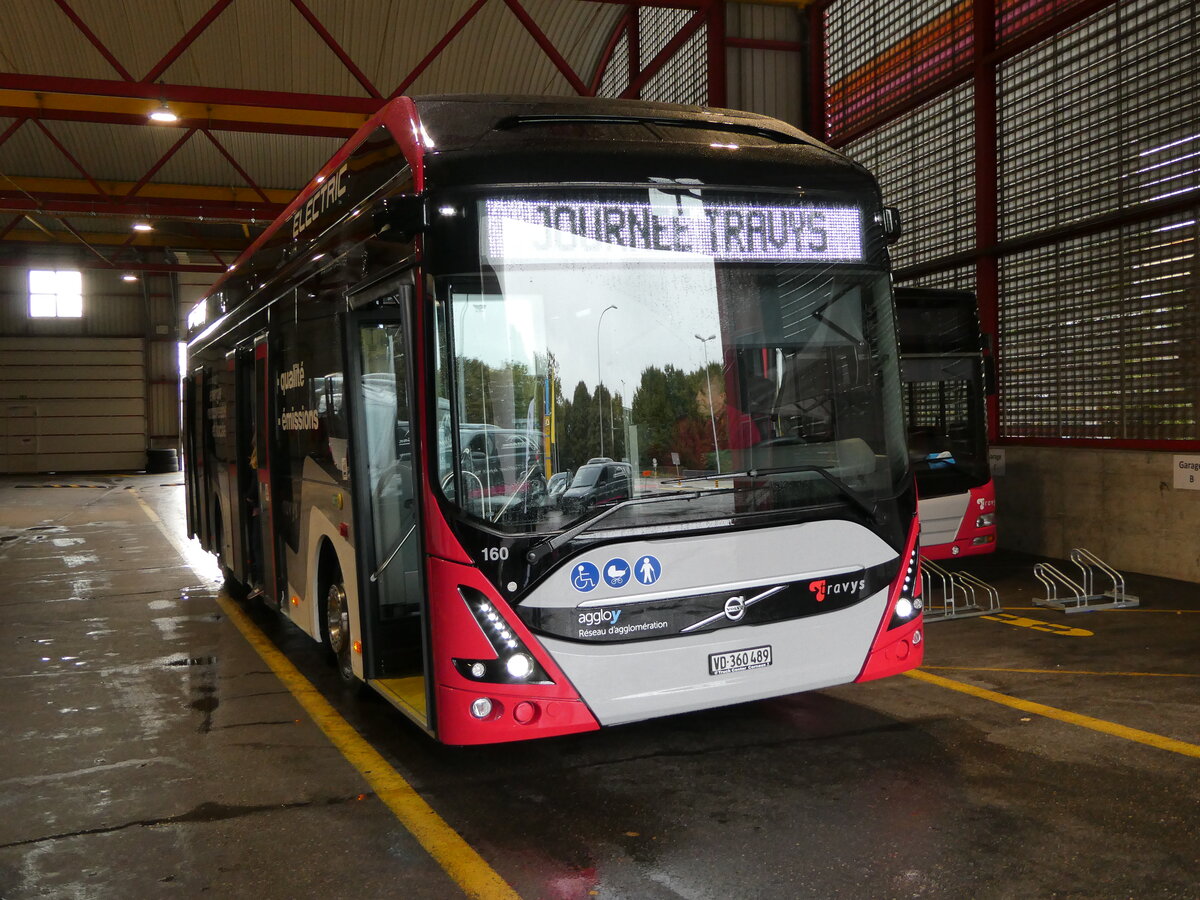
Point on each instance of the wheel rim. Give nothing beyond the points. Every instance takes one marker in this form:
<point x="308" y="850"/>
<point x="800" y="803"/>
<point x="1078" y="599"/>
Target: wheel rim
<point x="337" y="619"/>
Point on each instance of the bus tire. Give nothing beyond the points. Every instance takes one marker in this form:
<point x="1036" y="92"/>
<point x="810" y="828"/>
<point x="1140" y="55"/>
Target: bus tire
<point x="336" y="622"/>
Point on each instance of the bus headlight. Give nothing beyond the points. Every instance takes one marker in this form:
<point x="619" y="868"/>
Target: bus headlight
<point x="908" y="597"/>
<point x="519" y="666"/>
<point x="986" y="520"/>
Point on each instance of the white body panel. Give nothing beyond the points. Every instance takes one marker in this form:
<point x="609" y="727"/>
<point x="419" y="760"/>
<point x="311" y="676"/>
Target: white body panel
<point x="941" y="517"/>
<point x="628" y="681"/>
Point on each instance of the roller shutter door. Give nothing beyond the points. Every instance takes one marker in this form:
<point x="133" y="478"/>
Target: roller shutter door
<point x="72" y="404"/>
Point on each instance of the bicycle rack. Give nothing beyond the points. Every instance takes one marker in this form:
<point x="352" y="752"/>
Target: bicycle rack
<point x="1084" y="596"/>
<point x="961" y="594"/>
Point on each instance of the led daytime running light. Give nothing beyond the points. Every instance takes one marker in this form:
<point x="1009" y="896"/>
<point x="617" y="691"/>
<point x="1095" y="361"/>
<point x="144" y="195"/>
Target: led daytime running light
<point x="513" y="663"/>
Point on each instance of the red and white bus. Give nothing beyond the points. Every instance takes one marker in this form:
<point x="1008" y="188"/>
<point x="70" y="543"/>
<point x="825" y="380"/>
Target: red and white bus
<point x="478" y="294"/>
<point x="945" y="381"/>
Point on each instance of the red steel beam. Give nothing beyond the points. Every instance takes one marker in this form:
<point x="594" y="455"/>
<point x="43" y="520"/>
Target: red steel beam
<point x="95" y="41"/>
<point x="547" y="47"/>
<point x="764" y="44"/>
<point x="161" y="162"/>
<point x="71" y="159"/>
<point x="634" y="63"/>
<point x="437" y="49"/>
<point x="717" y="42"/>
<point x="233" y="162"/>
<point x="190" y="94"/>
<point x="987" y="189"/>
<point x="664" y="55"/>
<point x="333" y="45"/>
<point x="11" y="225"/>
<point x="186" y="41"/>
<point x="817" y="124"/>
<point x="1134" y="215"/>
<point x="11" y="129"/>
<point x="614" y="39"/>
<point x="964" y="72"/>
<point x="665" y="4"/>
<point x="102" y="118"/>
<point x="75" y="204"/>
<point x="133" y="267"/>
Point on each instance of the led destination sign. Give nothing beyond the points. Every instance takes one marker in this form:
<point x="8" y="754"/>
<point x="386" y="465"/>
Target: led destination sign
<point x="532" y="230"/>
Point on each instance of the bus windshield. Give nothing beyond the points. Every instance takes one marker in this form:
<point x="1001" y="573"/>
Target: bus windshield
<point x="947" y="431"/>
<point x="734" y="353"/>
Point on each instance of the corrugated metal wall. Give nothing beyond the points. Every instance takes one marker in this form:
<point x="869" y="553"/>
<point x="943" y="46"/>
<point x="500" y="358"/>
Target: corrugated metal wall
<point x="92" y="393"/>
<point x="766" y="81"/>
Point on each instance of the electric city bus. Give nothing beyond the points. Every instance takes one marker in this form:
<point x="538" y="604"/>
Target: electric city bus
<point x="945" y="381"/>
<point x="690" y="307"/>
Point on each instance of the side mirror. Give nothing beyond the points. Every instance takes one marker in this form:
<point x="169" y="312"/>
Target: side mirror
<point x="400" y="215"/>
<point x="889" y="219"/>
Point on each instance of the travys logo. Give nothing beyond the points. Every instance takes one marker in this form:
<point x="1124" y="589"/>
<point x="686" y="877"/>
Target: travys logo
<point x="823" y="588"/>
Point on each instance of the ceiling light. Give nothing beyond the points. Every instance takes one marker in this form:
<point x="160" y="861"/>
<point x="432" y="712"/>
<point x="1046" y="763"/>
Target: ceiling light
<point x="163" y="114"/>
<point x="142" y="226"/>
<point x="129" y="276"/>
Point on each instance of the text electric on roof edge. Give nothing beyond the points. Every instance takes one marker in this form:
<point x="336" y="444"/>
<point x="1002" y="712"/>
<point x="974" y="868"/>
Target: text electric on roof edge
<point x="552" y="414"/>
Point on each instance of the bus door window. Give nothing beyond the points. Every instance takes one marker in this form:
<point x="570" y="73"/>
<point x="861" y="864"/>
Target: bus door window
<point x="388" y="450"/>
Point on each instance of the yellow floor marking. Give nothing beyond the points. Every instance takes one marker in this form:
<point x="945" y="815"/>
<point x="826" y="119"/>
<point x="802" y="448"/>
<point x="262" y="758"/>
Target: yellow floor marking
<point x="1062" y="715"/>
<point x="1063" y="672"/>
<point x="443" y="843"/>
<point x="1132" y="609"/>
<point x="458" y="858"/>
<point x="1039" y="625"/>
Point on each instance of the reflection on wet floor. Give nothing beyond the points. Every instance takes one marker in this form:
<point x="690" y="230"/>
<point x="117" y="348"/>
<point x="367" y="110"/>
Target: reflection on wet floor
<point x="148" y="748"/>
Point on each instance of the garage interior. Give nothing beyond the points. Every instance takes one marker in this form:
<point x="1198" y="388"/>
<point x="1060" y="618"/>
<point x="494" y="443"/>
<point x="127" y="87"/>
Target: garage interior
<point x="1044" y="155"/>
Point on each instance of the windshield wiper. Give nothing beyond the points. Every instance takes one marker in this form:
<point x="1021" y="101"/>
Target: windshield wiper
<point x="844" y="489"/>
<point x="538" y="553"/>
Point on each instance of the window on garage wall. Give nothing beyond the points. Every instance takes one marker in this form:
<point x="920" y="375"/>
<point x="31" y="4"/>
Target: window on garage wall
<point x="1093" y="276"/>
<point x="55" y="294"/>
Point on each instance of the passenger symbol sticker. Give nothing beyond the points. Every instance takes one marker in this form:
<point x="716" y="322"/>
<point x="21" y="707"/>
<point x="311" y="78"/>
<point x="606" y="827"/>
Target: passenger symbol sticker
<point x="585" y="577"/>
<point x="647" y="569"/>
<point x="616" y="573"/>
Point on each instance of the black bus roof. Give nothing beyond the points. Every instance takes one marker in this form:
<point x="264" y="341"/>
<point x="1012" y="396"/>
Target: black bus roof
<point x="479" y="139"/>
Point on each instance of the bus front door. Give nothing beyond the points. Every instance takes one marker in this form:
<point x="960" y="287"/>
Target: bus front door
<point x="387" y="503"/>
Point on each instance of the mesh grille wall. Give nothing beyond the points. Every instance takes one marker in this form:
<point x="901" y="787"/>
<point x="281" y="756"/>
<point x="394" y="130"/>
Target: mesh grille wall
<point x="925" y="165"/>
<point x="881" y="55"/>
<point x="616" y="74"/>
<point x="1097" y="191"/>
<point x="1101" y="118"/>
<point x="684" y="79"/>
<point x="1099" y="336"/>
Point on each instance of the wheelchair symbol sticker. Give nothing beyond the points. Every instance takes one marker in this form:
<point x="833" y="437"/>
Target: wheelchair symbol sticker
<point x="585" y="577"/>
<point x="647" y="570"/>
<point x="616" y="573"/>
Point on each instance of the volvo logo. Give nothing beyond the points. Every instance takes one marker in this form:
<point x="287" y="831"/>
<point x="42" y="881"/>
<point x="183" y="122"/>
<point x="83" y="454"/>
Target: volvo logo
<point x="735" y="608"/>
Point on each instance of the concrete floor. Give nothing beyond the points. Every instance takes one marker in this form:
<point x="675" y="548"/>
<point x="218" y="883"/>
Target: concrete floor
<point x="149" y="751"/>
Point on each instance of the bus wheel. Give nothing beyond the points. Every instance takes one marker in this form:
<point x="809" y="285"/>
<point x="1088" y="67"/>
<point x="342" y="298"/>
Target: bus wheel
<point x="337" y="629"/>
